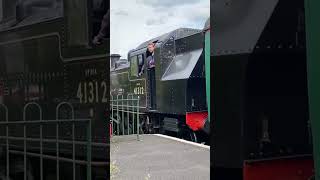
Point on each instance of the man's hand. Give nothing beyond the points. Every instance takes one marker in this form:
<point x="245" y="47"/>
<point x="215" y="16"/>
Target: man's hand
<point x="96" y="40"/>
<point x="140" y="73"/>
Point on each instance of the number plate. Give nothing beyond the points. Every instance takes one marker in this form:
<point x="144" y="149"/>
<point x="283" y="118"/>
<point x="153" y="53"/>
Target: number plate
<point x="90" y="82"/>
<point x="93" y="92"/>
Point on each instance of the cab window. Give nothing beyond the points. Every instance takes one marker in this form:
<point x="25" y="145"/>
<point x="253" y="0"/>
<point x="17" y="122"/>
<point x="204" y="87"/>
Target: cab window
<point x="134" y="66"/>
<point x="16" y="13"/>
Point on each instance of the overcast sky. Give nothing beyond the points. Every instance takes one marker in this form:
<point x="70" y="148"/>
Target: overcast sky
<point x="136" y="21"/>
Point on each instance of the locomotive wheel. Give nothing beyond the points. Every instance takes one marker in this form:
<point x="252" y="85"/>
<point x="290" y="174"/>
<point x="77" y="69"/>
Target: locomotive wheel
<point x="188" y="134"/>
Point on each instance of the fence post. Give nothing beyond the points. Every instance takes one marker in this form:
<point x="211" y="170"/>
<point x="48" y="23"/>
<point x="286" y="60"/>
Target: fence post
<point x="73" y="138"/>
<point x="25" y="140"/>
<point x="133" y="115"/>
<point x="118" y="125"/>
<point x="128" y="114"/>
<point x="89" y="151"/>
<point x="138" y="122"/>
<point x="7" y="139"/>
<point x="112" y="103"/>
<point x="122" y="114"/>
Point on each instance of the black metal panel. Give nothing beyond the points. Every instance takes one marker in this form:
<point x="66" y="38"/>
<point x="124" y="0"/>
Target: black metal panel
<point x="237" y="25"/>
<point x="260" y="97"/>
<point x="250" y="89"/>
<point x="196" y="91"/>
<point x="189" y="43"/>
<point x="291" y="36"/>
<point x="37" y="66"/>
<point x="276" y="123"/>
<point x="196" y="94"/>
<point x="171" y="97"/>
<point x="228" y="73"/>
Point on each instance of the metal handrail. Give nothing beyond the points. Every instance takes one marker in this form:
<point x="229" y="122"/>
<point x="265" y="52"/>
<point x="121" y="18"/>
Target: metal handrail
<point x="25" y="141"/>
<point x="7" y="140"/>
<point x="73" y="139"/>
<point x="42" y="156"/>
<point x="125" y="108"/>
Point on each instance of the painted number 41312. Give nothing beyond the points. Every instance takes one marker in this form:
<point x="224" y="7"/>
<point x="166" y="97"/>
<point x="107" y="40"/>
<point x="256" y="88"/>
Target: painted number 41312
<point x="92" y="92"/>
<point x="138" y="90"/>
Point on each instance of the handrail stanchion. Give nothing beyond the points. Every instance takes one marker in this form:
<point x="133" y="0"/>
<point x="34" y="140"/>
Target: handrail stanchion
<point x="25" y="140"/>
<point x="138" y="122"/>
<point x="118" y="123"/>
<point x="57" y="149"/>
<point x="73" y="138"/>
<point x="89" y="139"/>
<point x="132" y="112"/>
<point x="128" y="114"/>
<point x="112" y="103"/>
<point x="133" y="115"/>
<point x="122" y="114"/>
<point x="41" y="149"/>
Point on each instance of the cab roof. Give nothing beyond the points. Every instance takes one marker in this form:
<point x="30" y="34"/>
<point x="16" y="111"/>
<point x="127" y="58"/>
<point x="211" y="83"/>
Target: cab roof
<point x="177" y="34"/>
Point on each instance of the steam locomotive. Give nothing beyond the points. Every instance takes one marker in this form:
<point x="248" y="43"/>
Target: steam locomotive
<point x="180" y="106"/>
<point x="47" y="59"/>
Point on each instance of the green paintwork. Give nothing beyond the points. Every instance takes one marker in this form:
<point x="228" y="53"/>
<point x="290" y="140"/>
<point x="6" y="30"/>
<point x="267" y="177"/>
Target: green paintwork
<point x="207" y="66"/>
<point x="313" y="39"/>
<point x="54" y="58"/>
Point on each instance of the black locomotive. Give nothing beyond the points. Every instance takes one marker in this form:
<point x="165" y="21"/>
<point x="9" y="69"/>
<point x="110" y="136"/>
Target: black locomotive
<point x="46" y="58"/>
<point x="261" y="110"/>
<point x="179" y="107"/>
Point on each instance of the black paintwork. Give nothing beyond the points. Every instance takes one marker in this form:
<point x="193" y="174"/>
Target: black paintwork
<point x="44" y="60"/>
<point x="175" y="87"/>
<point x="256" y="74"/>
<point x="180" y="79"/>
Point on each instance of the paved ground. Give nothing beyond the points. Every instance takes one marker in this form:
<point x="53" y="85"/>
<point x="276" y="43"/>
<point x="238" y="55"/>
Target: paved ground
<point x="158" y="158"/>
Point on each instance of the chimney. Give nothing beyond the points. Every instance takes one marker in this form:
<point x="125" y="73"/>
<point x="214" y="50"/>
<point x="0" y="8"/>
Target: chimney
<point x="114" y="58"/>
